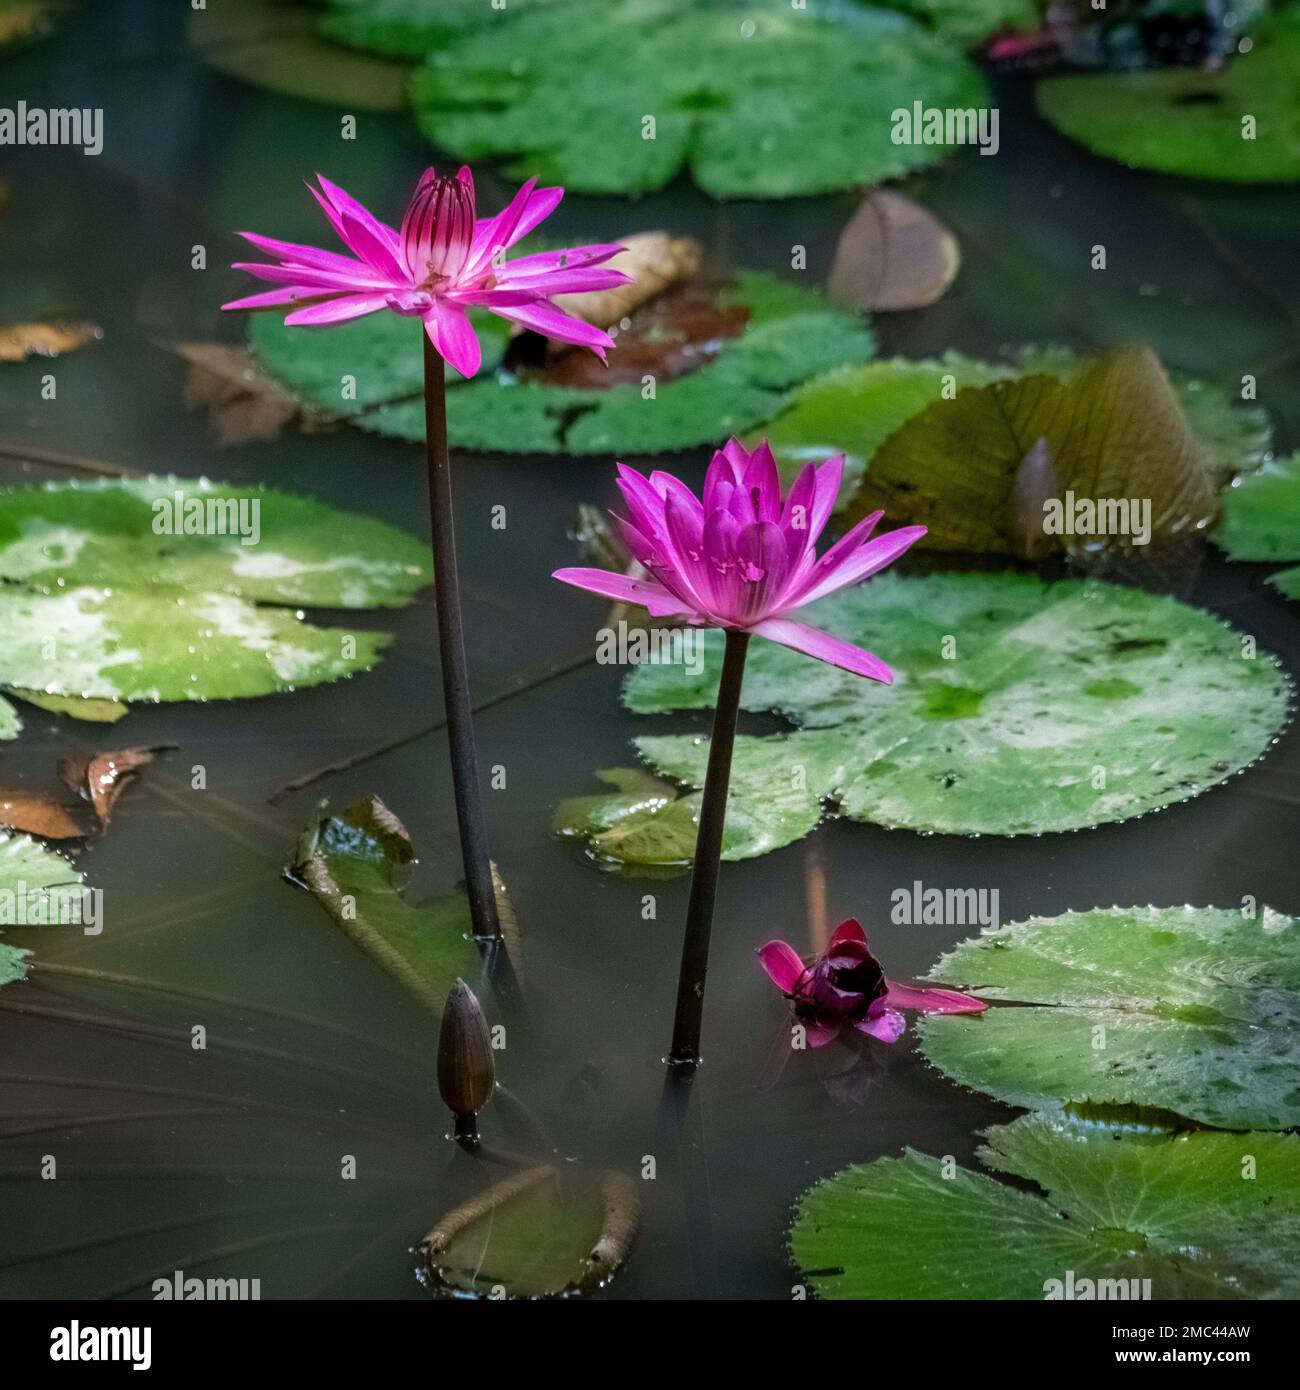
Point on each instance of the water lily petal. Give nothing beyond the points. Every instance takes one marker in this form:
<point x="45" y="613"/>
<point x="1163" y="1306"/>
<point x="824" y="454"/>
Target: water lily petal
<point x="452" y="334"/>
<point x="824" y="647"/>
<point x="863" y="562"/>
<point x="623" y="588"/>
<point x="933" y="1001"/>
<point x="888" y="1026"/>
<point x="554" y="323"/>
<point x="783" y="966"/>
<point x="848" y="930"/>
<point x="348" y="306"/>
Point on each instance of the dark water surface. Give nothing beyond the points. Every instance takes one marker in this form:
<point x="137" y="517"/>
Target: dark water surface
<point x="227" y="1162"/>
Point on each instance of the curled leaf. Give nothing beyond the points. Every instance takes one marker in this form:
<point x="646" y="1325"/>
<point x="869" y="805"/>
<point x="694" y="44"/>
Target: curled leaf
<point x="102" y="777"/>
<point x="37" y="814"/>
<point x="893" y="254"/>
<point x="532" y="1237"/>
<point x="244" y="403"/>
<point x="90" y="711"/>
<point x="654" y="260"/>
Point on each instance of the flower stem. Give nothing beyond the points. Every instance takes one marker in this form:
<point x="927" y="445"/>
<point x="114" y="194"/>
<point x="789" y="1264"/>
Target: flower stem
<point x="451" y="650"/>
<point x="685" y="1053"/>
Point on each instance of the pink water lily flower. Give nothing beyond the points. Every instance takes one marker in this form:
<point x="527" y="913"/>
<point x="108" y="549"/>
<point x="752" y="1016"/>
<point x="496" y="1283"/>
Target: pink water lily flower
<point x="742" y="558"/>
<point x="845" y="987"/>
<point x="443" y="261"/>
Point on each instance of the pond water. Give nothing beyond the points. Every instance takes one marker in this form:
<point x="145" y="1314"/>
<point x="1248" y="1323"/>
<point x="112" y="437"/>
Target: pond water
<point x="226" y="1162"/>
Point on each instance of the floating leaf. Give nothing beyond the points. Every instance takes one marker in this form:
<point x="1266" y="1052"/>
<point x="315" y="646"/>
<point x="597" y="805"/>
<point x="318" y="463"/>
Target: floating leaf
<point x="1261" y="513"/>
<point x="10" y="724"/>
<point x="147" y="645"/>
<point x="1121" y="1203"/>
<point x="19" y="341"/>
<point x="773" y="103"/>
<point x="37" y="887"/>
<point x="893" y="254"/>
<point x="533" y="1236"/>
<point x="273" y="45"/>
<point x="1198" y="1010"/>
<point x="1193" y="120"/>
<point x="970" y="22"/>
<point x="102" y="777"/>
<point x="655" y="261"/>
<point x="410" y="28"/>
<point x="854" y="409"/>
<point x="1114" y="432"/>
<point x="244" y="404"/>
<point x="1048" y="683"/>
<point x="35" y="813"/>
<point x="791" y="334"/>
<point x="350" y="863"/>
<point x="91" y="711"/>
<point x="190" y="533"/>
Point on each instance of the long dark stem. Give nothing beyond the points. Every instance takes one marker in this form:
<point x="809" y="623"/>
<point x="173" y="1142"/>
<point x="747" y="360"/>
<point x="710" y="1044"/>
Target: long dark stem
<point x="685" y="1053"/>
<point x="451" y="649"/>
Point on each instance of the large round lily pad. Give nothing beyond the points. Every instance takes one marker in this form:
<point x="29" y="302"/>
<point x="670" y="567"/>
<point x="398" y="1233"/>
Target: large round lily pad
<point x="193" y="534"/>
<point x="1190" y="1010"/>
<point x="371" y="372"/>
<point x="1018" y="707"/>
<point x="1240" y="123"/>
<point x="764" y="101"/>
<point x="1198" y="1215"/>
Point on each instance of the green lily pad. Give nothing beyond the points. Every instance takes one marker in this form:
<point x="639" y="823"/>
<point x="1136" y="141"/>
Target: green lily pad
<point x="151" y="645"/>
<point x="792" y="334"/>
<point x="1121" y="1202"/>
<point x="351" y="863"/>
<point x="1287" y="582"/>
<point x="1063" y="705"/>
<point x="1188" y="120"/>
<point x="1190" y="1010"/>
<point x="10" y="724"/>
<point x="855" y="409"/>
<point x="766" y="102"/>
<point x="301" y="550"/>
<point x="410" y="28"/>
<point x="970" y="22"/>
<point x="534" y="1236"/>
<point x="28" y="871"/>
<point x="1261" y="514"/>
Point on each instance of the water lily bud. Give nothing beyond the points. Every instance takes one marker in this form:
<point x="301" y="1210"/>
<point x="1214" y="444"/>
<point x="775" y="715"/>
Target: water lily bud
<point x="466" y="1071"/>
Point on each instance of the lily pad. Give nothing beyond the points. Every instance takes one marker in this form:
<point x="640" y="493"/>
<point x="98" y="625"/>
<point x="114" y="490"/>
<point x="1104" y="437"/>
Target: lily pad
<point x="301" y="551"/>
<point x="791" y="334"/>
<point x="89" y="711"/>
<point x="1120" y="1202"/>
<point x="351" y="863"/>
<point x="532" y="1236"/>
<point x="28" y="872"/>
<point x="410" y="28"/>
<point x="10" y="724"/>
<point x="970" y="22"/>
<point x="761" y="102"/>
<point x="1191" y="120"/>
<point x="1261" y="514"/>
<point x="151" y="645"/>
<point x="854" y="409"/>
<point x="1195" y="1011"/>
<point x="1063" y="705"/>
<point x="1113" y="431"/>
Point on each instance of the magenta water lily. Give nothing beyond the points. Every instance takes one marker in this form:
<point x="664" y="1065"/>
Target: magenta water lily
<point x="845" y="987"/>
<point x="742" y="558"/>
<point x="443" y="261"/>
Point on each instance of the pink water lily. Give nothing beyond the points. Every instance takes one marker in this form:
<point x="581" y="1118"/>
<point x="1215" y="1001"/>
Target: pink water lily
<point x="443" y="261"/>
<point x="845" y="987"/>
<point x="743" y="558"/>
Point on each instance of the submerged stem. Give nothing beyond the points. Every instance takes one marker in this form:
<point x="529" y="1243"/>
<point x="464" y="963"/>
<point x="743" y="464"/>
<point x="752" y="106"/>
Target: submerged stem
<point x="685" y="1053"/>
<point x="451" y="650"/>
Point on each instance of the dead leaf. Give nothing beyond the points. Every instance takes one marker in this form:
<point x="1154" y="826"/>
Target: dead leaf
<point x="893" y="254"/>
<point x="18" y="341"/>
<point x="654" y="260"/>
<point x="1113" y="432"/>
<point x="244" y="404"/>
<point x="102" y="777"/>
<point x="92" y="711"/>
<point x="34" y="813"/>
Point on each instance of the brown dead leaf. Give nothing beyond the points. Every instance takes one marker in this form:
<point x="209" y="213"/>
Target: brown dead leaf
<point x="19" y="341"/>
<point x="893" y="254"/>
<point x="654" y="260"/>
<point x="244" y="404"/>
<point x="35" y="813"/>
<point x="102" y="777"/>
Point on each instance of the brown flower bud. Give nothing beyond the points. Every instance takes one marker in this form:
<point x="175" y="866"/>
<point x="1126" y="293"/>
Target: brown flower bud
<point x="466" y="1071"/>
